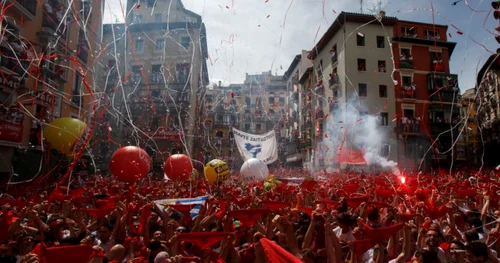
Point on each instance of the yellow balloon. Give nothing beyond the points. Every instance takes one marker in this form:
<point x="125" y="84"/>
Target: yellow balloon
<point x="63" y="134"/>
<point x="216" y="171"/>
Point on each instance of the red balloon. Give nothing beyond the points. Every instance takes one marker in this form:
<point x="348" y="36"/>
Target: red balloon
<point x="130" y="164"/>
<point x="178" y="167"/>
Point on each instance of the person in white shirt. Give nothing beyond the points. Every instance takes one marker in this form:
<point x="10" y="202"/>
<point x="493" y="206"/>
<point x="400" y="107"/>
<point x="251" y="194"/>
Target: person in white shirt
<point x="343" y="230"/>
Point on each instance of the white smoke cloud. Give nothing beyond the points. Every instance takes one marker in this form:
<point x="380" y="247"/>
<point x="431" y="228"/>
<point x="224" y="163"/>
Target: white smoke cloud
<point x="348" y="129"/>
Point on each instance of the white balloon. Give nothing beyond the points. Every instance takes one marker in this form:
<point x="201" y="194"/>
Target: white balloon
<point x="254" y="170"/>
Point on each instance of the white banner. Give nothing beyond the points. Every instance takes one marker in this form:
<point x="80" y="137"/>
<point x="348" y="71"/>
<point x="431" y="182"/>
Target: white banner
<point x="263" y="147"/>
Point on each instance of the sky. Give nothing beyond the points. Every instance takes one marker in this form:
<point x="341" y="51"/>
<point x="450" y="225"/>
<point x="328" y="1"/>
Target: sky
<point x="253" y="36"/>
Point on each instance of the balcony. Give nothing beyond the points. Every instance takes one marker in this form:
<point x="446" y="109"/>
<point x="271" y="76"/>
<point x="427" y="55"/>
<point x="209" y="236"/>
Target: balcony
<point x="406" y="64"/>
<point x="334" y="81"/>
<point x="82" y="51"/>
<point x="10" y="62"/>
<point x="333" y="105"/>
<point x="156" y="78"/>
<point x="408" y="129"/>
<point x="445" y="96"/>
<point x="26" y="7"/>
<point x="162" y="134"/>
<point x="305" y="145"/>
<point x="292" y="147"/>
<point x="226" y="123"/>
<point x="443" y="128"/>
<point x="247" y="118"/>
<point x="57" y="28"/>
<point x="76" y="97"/>
<point x="409" y="92"/>
<point x="442" y="81"/>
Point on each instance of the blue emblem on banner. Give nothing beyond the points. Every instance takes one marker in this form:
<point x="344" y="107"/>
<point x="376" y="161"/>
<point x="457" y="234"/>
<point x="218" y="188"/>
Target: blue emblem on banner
<point x="253" y="149"/>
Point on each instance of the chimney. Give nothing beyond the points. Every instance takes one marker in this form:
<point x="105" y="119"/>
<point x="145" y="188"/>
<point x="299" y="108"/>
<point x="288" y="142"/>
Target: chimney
<point x="220" y="83"/>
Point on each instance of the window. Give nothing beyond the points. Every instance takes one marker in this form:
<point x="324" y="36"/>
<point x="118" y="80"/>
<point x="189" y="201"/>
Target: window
<point x="407" y="81"/>
<point x="139" y="45"/>
<point x="384" y="152"/>
<point x="431" y="34"/>
<point x="380" y="42"/>
<point x="160" y="44"/>
<point x="384" y="119"/>
<point x="409" y="113"/>
<point x="319" y="70"/>
<point x="247" y="126"/>
<point x="363" y="113"/>
<point x="185" y="42"/>
<point x="77" y="89"/>
<point x="156" y="122"/>
<point x="158" y="18"/>
<point x="362" y="90"/>
<point x="381" y="66"/>
<point x="271" y="100"/>
<point x="361" y="64"/>
<point x="436" y="57"/>
<point x="282" y="100"/>
<point x="382" y="91"/>
<point x="408" y="31"/>
<point x="333" y="53"/>
<point x="360" y="39"/>
<point x="258" y="126"/>
<point x="182" y="72"/>
<point x="155" y="93"/>
<point x="406" y="54"/>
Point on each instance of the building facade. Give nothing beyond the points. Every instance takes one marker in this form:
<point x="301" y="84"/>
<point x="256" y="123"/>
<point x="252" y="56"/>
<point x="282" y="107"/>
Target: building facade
<point x="384" y="68"/>
<point x="298" y="104"/>
<point x="348" y="76"/>
<point x="472" y="138"/>
<point x="47" y="64"/>
<point x="223" y="106"/>
<point x="427" y="97"/>
<point x="488" y="113"/>
<point x="263" y="109"/>
<point x="156" y="70"/>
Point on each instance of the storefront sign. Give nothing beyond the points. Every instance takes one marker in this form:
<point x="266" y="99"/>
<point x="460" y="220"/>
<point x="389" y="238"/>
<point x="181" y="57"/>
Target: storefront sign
<point x="11" y="124"/>
<point x="9" y="83"/>
<point x="11" y="132"/>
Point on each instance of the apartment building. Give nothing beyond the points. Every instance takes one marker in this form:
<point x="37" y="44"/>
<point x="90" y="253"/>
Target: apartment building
<point x="488" y="110"/>
<point x="223" y="106"/>
<point x="471" y="138"/>
<point x="298" y="123"/>
<point x="155" y="70"/>
<point x="352" y="69"/>
<point x="262" y="106"/>
<point x="47" y="63"/>
<point x="427" y="96"/>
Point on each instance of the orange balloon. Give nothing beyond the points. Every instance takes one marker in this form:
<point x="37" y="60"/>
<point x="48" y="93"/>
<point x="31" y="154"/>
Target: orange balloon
<point x="130" y="164"/>
<point x="178" y="167"/>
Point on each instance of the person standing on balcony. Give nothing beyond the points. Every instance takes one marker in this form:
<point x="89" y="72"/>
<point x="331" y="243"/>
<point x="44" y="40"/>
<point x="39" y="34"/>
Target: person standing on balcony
<point x="404" y="121"/>
<point x="416" y="127"/>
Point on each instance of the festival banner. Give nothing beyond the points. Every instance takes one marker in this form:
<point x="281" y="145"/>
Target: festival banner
<point x="163" y="204"/>
<point x="263" y="147"/>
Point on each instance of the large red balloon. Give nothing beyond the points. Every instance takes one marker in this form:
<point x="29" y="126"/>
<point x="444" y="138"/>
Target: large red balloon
<point x="178" y="167"/>
<point x="130" y="164"/>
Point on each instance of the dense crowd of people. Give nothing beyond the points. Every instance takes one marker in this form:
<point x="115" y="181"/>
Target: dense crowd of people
<point x="331" y="217"/>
